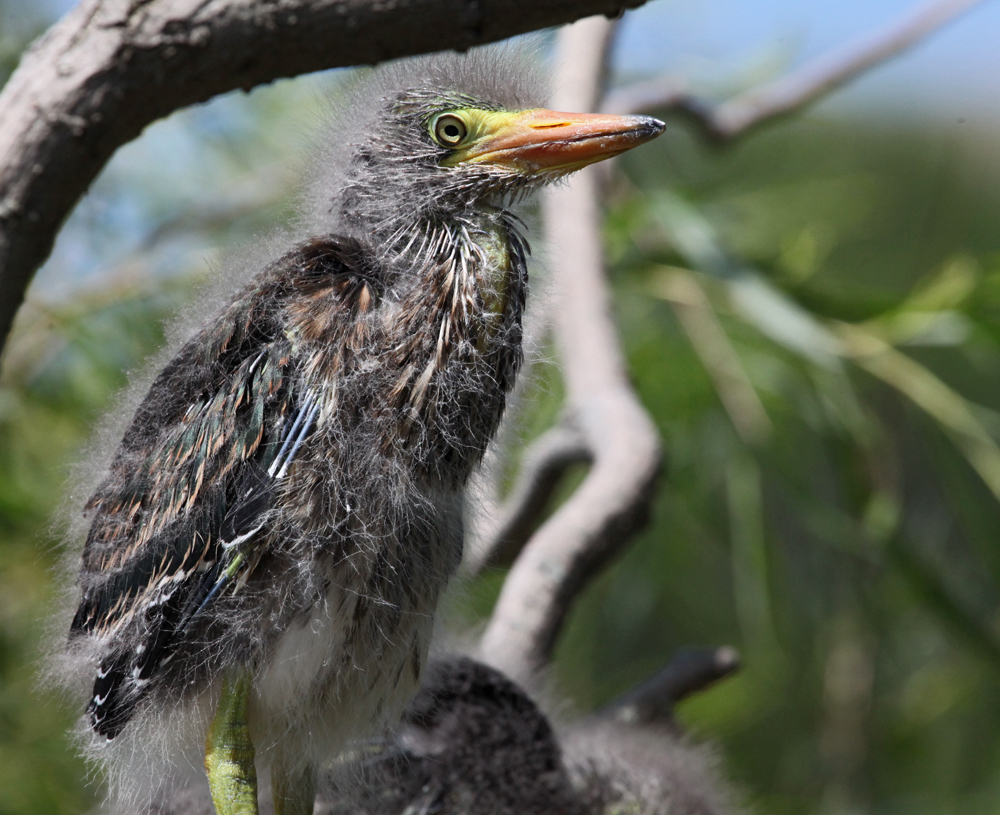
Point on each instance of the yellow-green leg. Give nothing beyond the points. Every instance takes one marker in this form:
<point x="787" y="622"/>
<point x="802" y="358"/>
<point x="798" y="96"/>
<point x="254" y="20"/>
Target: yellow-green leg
<point x="294" y="790"/>
<point x="229" y="752"/>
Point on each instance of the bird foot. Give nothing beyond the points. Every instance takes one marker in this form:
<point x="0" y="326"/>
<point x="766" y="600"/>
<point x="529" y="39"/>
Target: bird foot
<point x="229" y="752"/>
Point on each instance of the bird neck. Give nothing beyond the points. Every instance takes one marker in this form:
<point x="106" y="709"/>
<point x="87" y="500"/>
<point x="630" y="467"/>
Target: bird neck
<point x="459" y="289"/>
<point x="474" y="236"/>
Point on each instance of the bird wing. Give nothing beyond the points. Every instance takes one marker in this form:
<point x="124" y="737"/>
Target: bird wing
<point x="181" y="515"/>
<point x="240" y="528"/>
<point x="196" y="436"/>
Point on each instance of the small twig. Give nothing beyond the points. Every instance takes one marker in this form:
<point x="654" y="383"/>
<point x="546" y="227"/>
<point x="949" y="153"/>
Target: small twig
<point x="602" y="515"/>
<point x="514" y="521"/>
<point x="689" y="671"/>
<point x="799" y="88"/>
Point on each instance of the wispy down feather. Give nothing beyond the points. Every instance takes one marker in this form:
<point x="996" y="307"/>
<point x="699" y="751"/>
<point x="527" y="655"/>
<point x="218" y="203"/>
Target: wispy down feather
<point x="297" y="466"/>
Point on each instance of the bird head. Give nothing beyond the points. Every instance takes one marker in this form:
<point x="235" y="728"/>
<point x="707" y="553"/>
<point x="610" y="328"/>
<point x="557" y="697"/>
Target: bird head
<point x="431" y="138"/>
<point x="477" y="150"/>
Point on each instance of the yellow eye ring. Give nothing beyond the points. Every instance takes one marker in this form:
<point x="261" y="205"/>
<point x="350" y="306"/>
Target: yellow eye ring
<point x="450" y="130"/>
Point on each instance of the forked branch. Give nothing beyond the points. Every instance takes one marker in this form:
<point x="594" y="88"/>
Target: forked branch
<point x="601" y="517"/>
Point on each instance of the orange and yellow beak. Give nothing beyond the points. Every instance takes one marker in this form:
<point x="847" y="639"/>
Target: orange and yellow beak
<point x="546" y="141"/>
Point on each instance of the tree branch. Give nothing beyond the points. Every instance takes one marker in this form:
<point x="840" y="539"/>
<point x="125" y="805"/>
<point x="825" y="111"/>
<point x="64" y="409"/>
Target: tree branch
<point x="512" y="523"/>
<point x="689" y="671"/>
<point x="111" y="67"/>
<point x="601" y="517"/>
<point x="797" y="89"/>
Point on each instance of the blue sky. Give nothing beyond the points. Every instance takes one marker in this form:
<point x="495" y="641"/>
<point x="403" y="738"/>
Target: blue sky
<point x="958" y="67"/>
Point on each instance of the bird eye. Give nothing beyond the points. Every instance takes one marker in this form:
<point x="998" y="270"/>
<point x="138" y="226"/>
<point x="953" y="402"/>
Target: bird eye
<point x="449" y="130"/>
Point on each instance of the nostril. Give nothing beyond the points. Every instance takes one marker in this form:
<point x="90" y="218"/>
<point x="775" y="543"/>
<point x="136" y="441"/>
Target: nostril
<point x="549" y="125"/>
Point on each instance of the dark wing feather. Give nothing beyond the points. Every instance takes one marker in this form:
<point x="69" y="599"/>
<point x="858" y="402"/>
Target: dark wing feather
<point x="180" y="515"/>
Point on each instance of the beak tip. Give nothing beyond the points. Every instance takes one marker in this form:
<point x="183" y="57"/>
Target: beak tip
<point x="654" y="126"/>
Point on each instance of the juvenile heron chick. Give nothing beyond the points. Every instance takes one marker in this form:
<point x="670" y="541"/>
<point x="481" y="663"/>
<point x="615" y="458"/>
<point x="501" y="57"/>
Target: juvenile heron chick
<point x="267" y="548"/>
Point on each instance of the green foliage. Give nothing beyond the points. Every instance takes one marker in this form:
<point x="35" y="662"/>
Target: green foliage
<point x="811" y="319"/>
<point x="62" y="366"/>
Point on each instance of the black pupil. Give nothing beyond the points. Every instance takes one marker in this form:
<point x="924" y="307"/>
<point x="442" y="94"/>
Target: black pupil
<point x="451" y="131"/>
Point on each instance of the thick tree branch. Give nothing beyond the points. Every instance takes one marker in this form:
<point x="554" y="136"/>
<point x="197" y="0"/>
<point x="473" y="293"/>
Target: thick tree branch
<point x="797" y="89"/>
<point x="601" y="517"/>
<point x="111" y="67"/>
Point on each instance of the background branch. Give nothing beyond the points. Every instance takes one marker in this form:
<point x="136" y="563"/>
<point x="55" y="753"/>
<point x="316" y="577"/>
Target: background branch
<point x="602" y="515"/>
<point x="797" y="89"/>
<point x="111" y="67"/>
<point x="507" y="527"/>
<point x="689" y="670"/>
